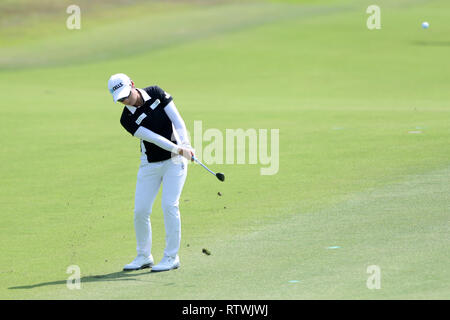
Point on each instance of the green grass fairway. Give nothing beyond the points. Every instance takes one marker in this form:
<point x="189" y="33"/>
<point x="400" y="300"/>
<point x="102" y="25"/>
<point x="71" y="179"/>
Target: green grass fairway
<point x="364" y="161"/>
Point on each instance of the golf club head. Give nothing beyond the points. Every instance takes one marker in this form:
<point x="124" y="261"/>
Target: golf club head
<point x="220" y="176"/>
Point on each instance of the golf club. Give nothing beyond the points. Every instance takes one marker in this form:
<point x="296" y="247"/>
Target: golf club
<point x="219" y="175"/>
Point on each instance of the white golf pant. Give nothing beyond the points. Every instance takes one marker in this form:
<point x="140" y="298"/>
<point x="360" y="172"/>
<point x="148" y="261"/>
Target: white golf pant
<point x="172" y="174"/>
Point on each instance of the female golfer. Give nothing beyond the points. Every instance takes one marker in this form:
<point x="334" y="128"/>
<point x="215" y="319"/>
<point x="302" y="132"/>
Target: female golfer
<point x="151" y="116"/>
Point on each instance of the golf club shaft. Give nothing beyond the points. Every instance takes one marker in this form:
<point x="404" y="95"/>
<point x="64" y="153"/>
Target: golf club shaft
<point x="198" y="161"/>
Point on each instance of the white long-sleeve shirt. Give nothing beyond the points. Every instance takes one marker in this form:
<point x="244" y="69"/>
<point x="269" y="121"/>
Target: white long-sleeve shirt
<point x="180" y="130"/>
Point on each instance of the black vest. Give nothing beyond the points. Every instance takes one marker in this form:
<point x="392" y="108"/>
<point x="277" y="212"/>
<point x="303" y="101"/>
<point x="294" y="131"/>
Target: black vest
<point x="153" y="117"/>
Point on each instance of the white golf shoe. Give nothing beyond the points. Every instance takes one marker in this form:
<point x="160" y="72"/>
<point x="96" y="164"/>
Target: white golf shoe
<point x="167" y="263"/>
<point x="140" y="262"/>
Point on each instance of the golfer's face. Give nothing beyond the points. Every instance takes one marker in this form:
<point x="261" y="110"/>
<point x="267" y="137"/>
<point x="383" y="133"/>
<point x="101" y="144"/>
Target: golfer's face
<point x="131" y="99"/>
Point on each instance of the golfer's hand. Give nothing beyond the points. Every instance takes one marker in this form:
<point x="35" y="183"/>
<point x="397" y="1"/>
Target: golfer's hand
<point x="186" y="152"/>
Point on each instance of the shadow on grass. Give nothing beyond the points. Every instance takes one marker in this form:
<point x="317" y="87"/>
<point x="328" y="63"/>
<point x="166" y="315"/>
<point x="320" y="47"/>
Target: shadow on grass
<point x="432" y="43"/>
<point x="115" y="276"/>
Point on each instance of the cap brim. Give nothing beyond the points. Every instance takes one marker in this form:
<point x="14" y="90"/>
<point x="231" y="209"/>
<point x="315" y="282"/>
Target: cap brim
<point x="122" y="93"/>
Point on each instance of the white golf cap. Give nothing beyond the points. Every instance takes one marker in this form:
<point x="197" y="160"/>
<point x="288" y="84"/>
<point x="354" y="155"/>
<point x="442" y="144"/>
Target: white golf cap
<point x="119" y="85"/>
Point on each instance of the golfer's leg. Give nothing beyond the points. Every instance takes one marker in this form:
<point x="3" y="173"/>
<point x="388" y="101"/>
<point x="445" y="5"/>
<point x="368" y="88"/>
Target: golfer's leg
<point x="173" y="182"/>
<point x="147" y="186"/>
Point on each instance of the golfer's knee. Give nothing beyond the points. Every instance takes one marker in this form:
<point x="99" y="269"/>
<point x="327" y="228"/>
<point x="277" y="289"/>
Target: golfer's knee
<point x="170" y="208"/>
<point x="141" y="213"/>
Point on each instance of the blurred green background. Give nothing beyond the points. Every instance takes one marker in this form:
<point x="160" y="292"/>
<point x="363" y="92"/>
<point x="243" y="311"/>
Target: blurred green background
<point x="363" y="117"/>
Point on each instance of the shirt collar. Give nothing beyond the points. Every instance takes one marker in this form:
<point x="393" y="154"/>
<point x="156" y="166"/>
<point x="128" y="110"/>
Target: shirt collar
<point x="145" y="96"/>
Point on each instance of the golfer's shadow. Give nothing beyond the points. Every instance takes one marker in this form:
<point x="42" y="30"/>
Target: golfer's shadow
<point x="115" y="276"/>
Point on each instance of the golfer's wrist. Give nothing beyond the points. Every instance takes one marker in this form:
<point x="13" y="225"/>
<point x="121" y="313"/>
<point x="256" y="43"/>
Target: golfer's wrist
<point x="182" y="151"/>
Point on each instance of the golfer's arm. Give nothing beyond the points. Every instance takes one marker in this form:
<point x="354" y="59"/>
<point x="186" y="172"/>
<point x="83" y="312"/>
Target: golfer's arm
<point x="160" y="141"/>
<point x="178" y="123"/>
